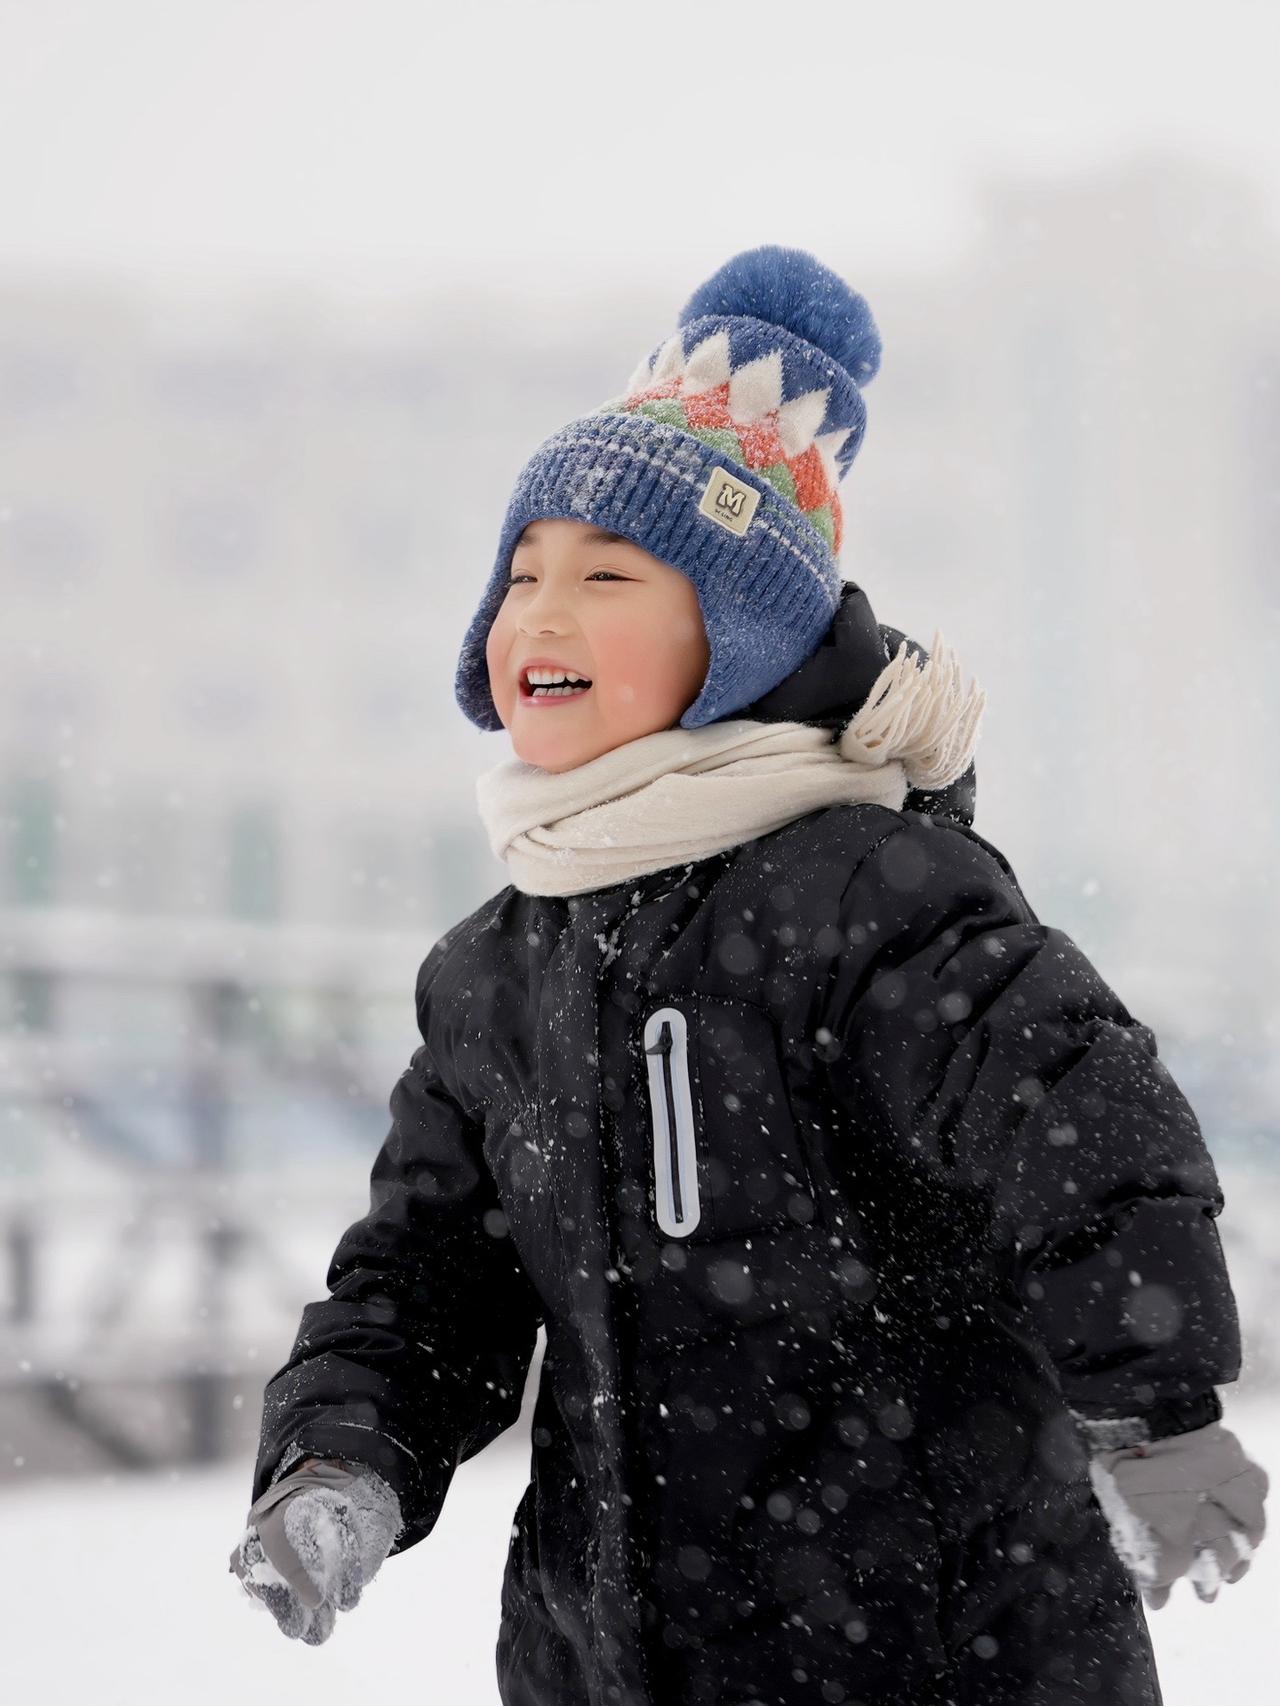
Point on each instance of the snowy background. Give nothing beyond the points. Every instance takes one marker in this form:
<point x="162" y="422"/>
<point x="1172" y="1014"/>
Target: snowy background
<point x="139" y="1569"/>
<point x="289" y="290"/>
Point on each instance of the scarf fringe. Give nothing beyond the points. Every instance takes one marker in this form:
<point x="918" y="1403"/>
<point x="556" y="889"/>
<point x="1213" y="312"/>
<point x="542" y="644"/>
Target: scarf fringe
<point x="920" y="716"/>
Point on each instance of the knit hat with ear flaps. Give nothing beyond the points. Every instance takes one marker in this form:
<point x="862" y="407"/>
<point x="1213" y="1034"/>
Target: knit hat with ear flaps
<point x="723" y="457"/>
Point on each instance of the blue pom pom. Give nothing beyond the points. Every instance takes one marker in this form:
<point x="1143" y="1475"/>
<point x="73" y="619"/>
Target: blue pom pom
<point x="792" y="289"/>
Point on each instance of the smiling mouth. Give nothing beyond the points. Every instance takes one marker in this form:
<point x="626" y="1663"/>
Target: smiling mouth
<point x="531" y="693"/>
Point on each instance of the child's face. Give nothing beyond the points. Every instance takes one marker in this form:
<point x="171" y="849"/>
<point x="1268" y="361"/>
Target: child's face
<point x="604" y="609"/>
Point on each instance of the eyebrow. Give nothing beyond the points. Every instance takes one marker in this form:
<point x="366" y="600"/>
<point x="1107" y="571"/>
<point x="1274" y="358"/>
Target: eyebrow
<point x="596" y="536"/>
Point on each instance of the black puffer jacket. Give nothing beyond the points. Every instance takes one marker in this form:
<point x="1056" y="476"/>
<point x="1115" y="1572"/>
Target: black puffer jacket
<point x="839" y="1180"/>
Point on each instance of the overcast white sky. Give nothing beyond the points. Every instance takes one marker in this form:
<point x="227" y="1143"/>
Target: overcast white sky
<point x="380" y="144"/>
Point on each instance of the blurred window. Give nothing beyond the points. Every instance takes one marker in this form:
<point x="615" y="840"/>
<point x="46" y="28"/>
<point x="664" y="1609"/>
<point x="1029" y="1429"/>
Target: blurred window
<point x="235" y="383"/>
<point x="43" y="542"/>
<point x="380" y="540"/>
<point x="33" y="826"/>
<point x="224" y="704"/>
<point x="214" y="535"/>
<point x="35" y="380"/>
<point x="254" y="861"/>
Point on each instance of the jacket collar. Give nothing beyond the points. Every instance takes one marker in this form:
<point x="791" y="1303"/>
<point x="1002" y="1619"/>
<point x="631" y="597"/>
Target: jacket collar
<point x="832" y="684"/>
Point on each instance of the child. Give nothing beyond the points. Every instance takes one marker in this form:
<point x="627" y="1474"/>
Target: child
<point x="875" y="1245"/>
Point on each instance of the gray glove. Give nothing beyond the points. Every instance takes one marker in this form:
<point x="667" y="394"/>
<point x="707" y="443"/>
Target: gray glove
<point x="313" y="1541"/>
<point x="1188" y="1505"/>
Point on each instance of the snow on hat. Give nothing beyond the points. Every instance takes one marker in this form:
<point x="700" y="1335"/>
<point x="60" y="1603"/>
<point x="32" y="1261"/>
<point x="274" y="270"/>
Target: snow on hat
<point x="723" y="458"/>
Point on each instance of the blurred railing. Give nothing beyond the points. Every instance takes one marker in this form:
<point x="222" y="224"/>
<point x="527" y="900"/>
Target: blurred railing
<point x="190" y="1113"/>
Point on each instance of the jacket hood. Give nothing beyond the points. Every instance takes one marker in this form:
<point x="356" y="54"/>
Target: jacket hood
<point x="833" y="682"/>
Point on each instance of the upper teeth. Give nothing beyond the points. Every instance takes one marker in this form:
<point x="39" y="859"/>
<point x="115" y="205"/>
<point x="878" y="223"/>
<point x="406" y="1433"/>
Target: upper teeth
<point x="550" y="677"/>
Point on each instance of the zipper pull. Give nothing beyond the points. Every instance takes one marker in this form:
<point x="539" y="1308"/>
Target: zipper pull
<point x="665" y="1040"/>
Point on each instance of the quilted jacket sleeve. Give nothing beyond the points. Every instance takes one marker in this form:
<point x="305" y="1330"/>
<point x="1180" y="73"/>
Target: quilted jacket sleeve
<point x="994" y="1059"/>
<point x="418" y="1356"/>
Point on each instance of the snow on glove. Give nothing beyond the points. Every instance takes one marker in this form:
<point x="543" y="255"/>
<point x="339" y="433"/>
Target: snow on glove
<point x="313" y="1542"/>
<point x="1187" y="1505"/>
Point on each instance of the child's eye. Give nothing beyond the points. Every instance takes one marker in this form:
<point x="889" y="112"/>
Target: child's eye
<point x="515" y="579"/>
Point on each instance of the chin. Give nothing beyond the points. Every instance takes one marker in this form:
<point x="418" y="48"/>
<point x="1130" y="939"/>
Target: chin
<point x="561" y="761"/>
<point x="549" y="756"/>
<point x="545" y="756"/>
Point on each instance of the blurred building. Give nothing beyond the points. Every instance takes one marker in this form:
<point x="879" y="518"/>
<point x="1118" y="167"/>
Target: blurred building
<point x="1071" y="467"/>
<point x="239" y="546"/>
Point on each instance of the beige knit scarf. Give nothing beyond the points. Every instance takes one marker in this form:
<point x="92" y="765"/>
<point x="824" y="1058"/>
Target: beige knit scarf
<point x="679" y="795"/>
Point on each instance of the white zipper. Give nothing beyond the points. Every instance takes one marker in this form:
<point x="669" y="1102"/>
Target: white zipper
<point x="675" y="1156"/>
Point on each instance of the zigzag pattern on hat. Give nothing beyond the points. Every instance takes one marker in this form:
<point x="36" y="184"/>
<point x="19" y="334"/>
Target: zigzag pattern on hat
<point x="743" y="413"/>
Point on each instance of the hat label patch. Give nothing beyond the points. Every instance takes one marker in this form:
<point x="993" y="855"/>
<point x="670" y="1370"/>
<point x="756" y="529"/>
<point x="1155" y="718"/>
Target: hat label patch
<point x="729" y="501"/>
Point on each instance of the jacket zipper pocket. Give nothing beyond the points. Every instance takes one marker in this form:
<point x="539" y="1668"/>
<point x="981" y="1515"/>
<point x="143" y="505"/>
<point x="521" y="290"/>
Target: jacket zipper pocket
<point x="675" y="1155"/>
